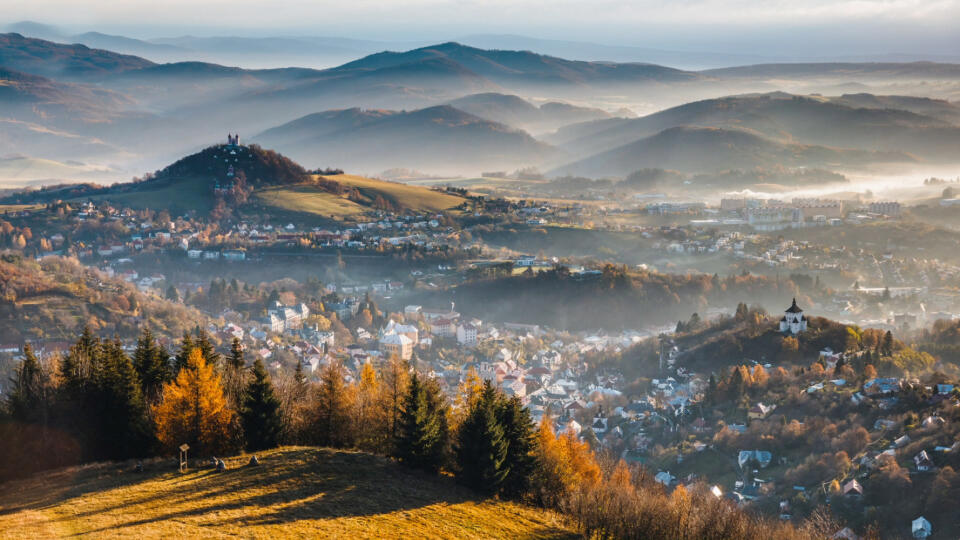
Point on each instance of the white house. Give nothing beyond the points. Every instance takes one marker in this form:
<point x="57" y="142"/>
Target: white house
<point x="921" y="528"/>
<point x="467" y="335"/>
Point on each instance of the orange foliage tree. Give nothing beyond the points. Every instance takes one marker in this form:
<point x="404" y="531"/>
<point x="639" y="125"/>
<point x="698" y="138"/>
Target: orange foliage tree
<point x="194" y="410"/>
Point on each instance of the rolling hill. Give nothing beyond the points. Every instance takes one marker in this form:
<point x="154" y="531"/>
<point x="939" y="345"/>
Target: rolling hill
<point x="441" y="138"/>
<point x="518" y="112"/>
<point x="703" y="149"/>
<point x="525" y="68"/>
<point x="41" y="57"/>
<point x="784" y="117"/>
<point x="56" y="297"/>
<point x="253" y="179"/>
<point x="295" y="492"/>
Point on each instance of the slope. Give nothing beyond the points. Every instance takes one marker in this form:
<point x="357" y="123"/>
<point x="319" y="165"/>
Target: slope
<point x="358" y="195"/>
<point x="440" y="138"/>
<point x="50" y="59"/>
<point x="786" y="117"/>
<point x="700" y="149"/>
<point x="56" y="297"/>
<point x="295" y="492"/>
<point x="518" y="112"/>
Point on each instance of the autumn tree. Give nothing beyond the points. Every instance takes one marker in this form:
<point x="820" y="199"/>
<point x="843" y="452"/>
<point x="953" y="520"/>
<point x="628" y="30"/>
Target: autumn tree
<point x="332" y="421"/>
<point x="194" y="409"/>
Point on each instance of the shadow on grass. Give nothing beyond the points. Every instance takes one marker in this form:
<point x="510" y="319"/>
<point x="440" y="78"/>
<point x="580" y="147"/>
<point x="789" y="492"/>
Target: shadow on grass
<point x="294" y="484"/>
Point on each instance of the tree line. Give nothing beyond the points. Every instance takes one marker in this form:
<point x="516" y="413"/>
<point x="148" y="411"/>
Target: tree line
<point x="96" y="402"/>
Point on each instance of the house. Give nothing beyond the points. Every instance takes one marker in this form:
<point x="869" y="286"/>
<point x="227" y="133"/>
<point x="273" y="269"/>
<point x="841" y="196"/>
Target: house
<point x="760" y="411"/>
<point x="921" y="528"/>
<point x="664" y="477"/>
<point x="762" y="457"/>
<point x="397" y="344"/>
<point x="443" y="327"/>
<point x="852" y="489"/>
<point x="901" y="441"/>
<point x="845" y="533"/>
<point x="467" y="335"/>
<point x="923" y="461"/>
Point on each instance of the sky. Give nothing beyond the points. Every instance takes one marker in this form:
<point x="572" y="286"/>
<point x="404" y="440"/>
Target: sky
<point x="817" y="27"/>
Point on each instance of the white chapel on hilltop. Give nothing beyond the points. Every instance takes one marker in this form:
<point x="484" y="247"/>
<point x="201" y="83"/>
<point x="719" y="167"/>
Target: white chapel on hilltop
<point x="793" y="320"/>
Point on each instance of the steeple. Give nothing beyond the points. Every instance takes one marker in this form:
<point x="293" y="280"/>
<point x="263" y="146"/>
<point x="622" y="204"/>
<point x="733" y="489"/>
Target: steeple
<point x="794" y="308"/>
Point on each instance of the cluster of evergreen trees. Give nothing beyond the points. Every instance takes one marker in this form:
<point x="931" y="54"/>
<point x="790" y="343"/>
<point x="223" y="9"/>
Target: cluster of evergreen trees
<point x="97" y="403"/>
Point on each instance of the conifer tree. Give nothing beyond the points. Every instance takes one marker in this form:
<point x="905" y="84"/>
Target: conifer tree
<point x="332" y="425"/>
<point x="481" y="447"/>
<point x="152" y="364"/>
<point x="186" y="346"/>
<point x="124" y="426"/>
<point x="422" y="437"/>
<point x="27" y="401"/>
<point x="237" y="361"/>
<point x="194" y="409"/>
<point x="520" y="435"/>
<point x="396" y="377"/>
<point x="210" y="354"/>
<point x="260" y="415"/>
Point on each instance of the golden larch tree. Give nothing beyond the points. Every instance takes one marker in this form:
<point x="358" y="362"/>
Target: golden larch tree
<point x="194" y="410"/>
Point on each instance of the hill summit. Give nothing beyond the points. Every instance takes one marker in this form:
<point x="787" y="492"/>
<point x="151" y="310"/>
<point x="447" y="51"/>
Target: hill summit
<point x="226" y="164"/>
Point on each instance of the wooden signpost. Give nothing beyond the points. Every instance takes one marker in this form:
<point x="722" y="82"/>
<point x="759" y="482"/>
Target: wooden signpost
<point x="183" y="457"/>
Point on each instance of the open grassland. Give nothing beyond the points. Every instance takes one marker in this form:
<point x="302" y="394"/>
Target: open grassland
<point x="313" y="199"/>
<point x="310" y="200"/>
<point x="404" y="195"/>
<point x="295" y="492"/>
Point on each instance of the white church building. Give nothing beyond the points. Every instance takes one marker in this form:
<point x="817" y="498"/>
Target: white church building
<point x="793" y="320"/>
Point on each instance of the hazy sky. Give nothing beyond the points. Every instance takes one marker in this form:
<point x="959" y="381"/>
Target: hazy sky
<point x="822" y="26"/>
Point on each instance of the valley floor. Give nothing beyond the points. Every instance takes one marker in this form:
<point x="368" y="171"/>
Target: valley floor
<point x="295" y="492"/>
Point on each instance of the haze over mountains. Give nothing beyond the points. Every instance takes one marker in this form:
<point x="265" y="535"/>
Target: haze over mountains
<point x="453" y="109"/>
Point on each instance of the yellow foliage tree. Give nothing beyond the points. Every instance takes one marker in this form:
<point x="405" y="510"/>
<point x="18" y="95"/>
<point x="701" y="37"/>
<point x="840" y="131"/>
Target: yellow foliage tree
<point x="468" y="392"/>
<point x="367" y="414"/>
<point x="194" y="410"/>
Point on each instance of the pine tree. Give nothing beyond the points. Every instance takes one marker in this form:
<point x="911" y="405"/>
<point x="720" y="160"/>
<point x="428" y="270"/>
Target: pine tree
<point x="481" y="447"/>
<point x="27" y="400"/>
<point x="124" y="426"/>
<point x="237" y="361"/>
<point x="423" y="439"/>
<point x="210" y="354"/>
<point x="396" y="377"/>
<point x="520" y="434"/>
<point x="186" y="346"/>
<point x="152" y="364"/>
<point x="260" y="415"/>
<point x="194" y="409"/>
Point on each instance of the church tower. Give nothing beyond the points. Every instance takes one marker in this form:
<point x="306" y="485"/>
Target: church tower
<point x="793" y="320"/>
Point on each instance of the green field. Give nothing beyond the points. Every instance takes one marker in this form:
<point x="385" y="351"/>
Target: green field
<point x="294" y="493"/>
<point x="181" y="195"/>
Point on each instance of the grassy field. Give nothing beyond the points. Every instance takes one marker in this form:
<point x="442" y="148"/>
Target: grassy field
<point x="178" y="197"/>
<point x="309" y="199"/>
<point x="295" y="492"/>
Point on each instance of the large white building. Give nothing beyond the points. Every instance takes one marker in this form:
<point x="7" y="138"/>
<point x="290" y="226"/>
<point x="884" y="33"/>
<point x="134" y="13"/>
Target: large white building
<point x="793" y="320"/>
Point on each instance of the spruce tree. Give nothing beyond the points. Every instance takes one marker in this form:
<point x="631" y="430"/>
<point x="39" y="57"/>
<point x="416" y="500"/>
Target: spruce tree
<point x="124" y="426"/>
<point x="520" y="435"/>
<point x="237" y="361"/>
<point x="422" y="439"/>
<point x="206" y="347"/>
<point x="260" y="414"/>
<point x="186" y="345"/>
<point x="152" y="364"/>
<point x="481" y="447"/>
<point x="27" y="401"/>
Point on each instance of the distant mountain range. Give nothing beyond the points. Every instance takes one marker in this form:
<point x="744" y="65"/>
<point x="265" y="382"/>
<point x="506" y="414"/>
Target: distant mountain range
<point x="839" y="122"/>
<point x="455" y="109"/>
<point x="441" y="138"/>
<point x="698" y="149"/>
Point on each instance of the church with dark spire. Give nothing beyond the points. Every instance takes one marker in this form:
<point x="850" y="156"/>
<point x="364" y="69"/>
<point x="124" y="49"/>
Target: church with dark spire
<point x="793" y="320"/>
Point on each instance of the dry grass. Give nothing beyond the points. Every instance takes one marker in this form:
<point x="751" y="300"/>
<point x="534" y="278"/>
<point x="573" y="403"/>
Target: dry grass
<point x="295" y="492"/>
